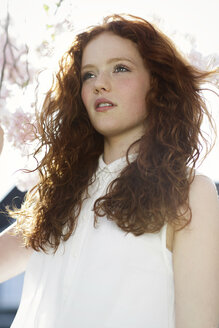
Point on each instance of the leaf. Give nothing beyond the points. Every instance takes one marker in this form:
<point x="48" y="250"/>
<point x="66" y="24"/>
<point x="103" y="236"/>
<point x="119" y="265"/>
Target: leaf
<point x="46" y="7"/>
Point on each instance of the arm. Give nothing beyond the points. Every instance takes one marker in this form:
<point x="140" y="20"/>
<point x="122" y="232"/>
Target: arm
<point x="13" y="256"/>
<point x="196" y="260"/>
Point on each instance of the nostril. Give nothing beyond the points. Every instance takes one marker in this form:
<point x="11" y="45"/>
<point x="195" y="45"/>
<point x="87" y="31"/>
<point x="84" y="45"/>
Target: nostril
<point x="98" y="89"/>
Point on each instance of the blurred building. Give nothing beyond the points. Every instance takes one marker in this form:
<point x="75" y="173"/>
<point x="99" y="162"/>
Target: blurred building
<point x="10" y="295"/>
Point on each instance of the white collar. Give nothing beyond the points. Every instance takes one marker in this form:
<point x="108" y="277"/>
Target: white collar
<point x="116" y="166"/>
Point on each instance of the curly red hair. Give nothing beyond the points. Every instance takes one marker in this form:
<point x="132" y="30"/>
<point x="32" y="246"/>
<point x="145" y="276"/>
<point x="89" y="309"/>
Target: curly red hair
<point x="151" y="190"/>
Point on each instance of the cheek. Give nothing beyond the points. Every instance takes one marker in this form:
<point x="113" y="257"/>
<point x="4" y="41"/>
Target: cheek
<point x="139" y="95"/>
<point x="133" y="88"/>
<point x="85" y="95"/>
<point x="134" y="95"/>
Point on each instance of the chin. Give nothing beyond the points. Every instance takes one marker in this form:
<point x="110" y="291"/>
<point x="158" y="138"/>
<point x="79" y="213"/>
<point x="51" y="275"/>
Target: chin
<point x="108" y="131"/>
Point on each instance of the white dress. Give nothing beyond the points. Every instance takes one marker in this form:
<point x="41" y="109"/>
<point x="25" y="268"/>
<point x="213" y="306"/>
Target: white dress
<point x="101" y="277"/>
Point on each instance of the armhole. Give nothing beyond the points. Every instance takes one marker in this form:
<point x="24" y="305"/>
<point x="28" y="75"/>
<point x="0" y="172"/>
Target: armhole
<point x="166" y="252"/>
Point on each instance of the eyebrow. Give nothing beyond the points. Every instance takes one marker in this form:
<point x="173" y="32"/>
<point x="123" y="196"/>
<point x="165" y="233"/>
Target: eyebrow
<point x="111" y="60"/>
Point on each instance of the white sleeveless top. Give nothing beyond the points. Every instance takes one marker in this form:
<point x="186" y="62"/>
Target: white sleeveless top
<point x="101" y="277"/>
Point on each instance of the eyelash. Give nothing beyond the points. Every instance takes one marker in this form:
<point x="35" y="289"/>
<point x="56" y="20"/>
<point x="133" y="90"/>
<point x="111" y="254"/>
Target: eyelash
<point x="123" y="67"/>
<point x="87" y="75"/>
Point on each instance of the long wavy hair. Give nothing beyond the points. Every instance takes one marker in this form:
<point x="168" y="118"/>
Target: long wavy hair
<point x="151" y="190"/>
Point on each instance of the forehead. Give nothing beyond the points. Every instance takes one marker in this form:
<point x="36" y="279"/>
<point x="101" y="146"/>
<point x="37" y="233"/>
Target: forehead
<point x="107" y="45"/>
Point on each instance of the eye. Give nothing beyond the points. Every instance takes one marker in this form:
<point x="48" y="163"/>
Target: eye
<point x="121" y="68"/>
<point x="86" y="76"/>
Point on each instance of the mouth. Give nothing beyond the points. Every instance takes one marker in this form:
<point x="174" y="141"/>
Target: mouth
<point x="102" y="105"/>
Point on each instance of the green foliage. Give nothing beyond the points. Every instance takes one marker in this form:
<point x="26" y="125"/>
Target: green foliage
<point x="46" y="8"/>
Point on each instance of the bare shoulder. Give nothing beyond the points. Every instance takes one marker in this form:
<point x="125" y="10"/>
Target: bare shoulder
<point x="203" y="185"/>
<point x="204" y="204"/>
<point x="196" y="259"/>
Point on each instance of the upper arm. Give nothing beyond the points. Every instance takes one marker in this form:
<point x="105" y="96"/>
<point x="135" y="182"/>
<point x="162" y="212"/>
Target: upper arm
<point x="13" y="255"/>
<point x="196" y="260"/>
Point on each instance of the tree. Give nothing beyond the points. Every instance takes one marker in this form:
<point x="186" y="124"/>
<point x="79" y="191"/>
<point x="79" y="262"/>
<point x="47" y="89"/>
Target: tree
<point x="24" y="62"/>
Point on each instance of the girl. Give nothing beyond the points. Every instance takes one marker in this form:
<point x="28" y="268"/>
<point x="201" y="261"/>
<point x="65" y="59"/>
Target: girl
<point x="121" y="230"/>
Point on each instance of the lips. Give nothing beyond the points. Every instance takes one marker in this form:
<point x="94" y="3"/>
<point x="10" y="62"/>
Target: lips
<point x="103" y="101"/>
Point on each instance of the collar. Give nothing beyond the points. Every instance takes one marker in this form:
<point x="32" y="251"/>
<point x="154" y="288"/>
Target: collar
<point x="116" y="166"/>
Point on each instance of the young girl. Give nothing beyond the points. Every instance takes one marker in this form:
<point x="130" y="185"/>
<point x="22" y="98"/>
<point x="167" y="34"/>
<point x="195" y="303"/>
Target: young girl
<point x="121" y="231"/>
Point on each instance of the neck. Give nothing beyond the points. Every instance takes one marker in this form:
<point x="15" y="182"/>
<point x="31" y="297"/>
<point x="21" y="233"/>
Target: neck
<point x="115" y="148"/>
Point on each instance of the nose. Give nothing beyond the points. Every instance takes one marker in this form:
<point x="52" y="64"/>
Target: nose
<point x="102" y="83"/>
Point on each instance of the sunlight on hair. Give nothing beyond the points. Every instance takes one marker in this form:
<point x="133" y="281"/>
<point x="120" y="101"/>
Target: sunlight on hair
<point x="185" y="29"/>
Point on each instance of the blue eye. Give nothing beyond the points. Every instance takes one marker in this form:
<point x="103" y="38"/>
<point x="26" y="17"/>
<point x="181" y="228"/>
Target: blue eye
<point x="87" y="76"/>
<point x="121" y="68"/>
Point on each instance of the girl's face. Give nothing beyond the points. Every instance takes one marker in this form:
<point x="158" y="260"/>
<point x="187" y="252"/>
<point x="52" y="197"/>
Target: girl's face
<point x="114" y="86"/>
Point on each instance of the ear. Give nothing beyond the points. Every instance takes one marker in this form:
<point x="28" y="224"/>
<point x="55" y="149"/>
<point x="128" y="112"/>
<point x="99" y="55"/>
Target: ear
<point x="1" y="138"/>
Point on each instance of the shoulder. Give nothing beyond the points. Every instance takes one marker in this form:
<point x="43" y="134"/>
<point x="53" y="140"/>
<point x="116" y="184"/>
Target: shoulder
<point x="201" y="180"/>
<point x="201" y="235"/>
<point x="203" y="196"/>
<point x="196" y="257"/>
<point x="204" y="205"/>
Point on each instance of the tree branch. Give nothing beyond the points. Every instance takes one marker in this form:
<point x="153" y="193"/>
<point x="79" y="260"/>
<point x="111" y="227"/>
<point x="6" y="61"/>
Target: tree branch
<point x="4" y="50"/>
<point x="58" y="5"/>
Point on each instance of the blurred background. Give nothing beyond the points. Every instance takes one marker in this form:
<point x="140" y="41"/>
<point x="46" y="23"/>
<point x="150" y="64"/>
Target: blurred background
<point x="33" y="37"/>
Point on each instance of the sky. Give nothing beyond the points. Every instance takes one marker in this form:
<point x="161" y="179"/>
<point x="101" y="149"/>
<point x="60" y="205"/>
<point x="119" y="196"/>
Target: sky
<point x="196" y="18"/>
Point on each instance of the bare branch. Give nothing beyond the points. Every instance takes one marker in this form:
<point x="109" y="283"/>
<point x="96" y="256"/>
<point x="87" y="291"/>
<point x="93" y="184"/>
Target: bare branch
<point x="15" y="63"/>
<point x="4" y="50"/>
<point x="58" y="5"/>
<point x="12" y="66"/>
